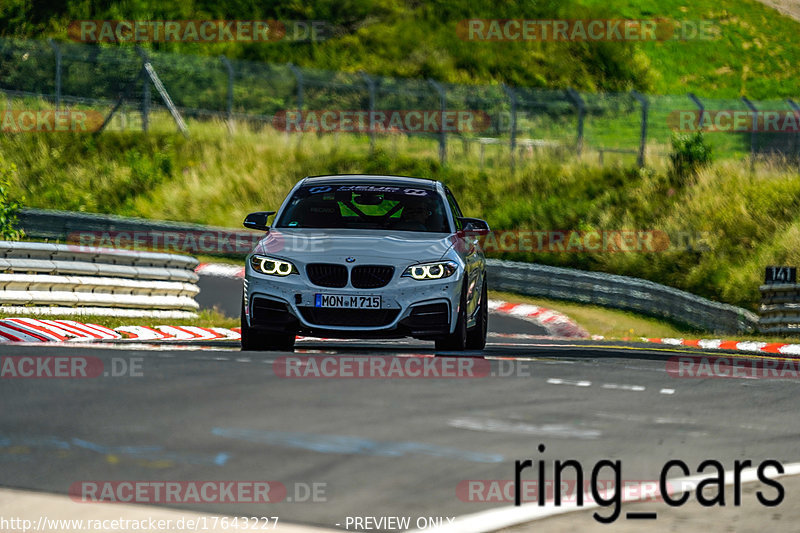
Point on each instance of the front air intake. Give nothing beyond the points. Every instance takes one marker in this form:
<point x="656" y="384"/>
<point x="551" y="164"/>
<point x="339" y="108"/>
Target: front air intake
<point x="371" y="276"/>
<point x="327" y="274"/>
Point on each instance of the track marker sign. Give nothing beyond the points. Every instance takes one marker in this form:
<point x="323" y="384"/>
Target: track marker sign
<point x="780" y="274"/>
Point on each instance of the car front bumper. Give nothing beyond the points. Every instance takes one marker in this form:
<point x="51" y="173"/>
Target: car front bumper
<point x="422" y="309"/>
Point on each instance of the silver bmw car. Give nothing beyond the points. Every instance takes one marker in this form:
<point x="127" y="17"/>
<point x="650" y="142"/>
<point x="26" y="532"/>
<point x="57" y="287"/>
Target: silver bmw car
<point x="357" y="256"/>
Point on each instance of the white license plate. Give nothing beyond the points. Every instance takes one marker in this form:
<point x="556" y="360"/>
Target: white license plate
<point x="347" y="301"/>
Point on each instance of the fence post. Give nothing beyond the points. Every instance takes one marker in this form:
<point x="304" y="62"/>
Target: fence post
<point x="754" y="129"/>
<point x="643" y="140"/>
<point x="796" y="109"/>
<point x="512" y="96"/>
<point x="229" y="110"/>
<point x="165" y="97"/>
<point x="371" y="87"/>
<point x="442" y="109"/>
<point x="581" y="105"/>
<point x="701" y="107"/>
<point x="145" y="90"/>
<point x="57" y="53"/>
<point x="298" y="74"/>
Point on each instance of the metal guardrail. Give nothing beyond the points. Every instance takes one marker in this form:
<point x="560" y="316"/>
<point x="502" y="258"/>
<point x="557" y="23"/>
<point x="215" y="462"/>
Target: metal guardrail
<point x="55" y="224"/>
<point x="780" y="309"/>
<point x="594" y="288"/>
<point x="93" y="229"/>
<point x="620" y="292"/>
<point x="86" y="280"/>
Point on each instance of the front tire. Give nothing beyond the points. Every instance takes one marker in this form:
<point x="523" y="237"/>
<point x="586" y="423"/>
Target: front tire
<point x="476" y="337"/>
<point x="254" y="340"/>
<point x="457" y="341"/>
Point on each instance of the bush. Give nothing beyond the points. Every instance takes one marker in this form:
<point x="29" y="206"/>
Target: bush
<point x="689" y="154"/>
<point x="8" y="207"/>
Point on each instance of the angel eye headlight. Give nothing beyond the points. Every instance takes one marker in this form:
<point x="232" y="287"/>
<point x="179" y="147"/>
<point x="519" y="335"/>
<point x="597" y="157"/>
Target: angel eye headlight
<point x="272" y="266"/>
<point x="437" y="270"/>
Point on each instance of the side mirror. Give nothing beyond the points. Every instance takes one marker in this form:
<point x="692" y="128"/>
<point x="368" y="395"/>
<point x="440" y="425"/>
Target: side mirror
<point x="474" y="226"/>
<point x="258" y="220"/>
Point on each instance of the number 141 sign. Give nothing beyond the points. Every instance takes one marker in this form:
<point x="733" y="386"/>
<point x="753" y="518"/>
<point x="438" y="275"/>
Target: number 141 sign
<point x="780" y="274"/>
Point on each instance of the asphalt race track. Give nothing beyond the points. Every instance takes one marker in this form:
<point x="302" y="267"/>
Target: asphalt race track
<point x="222" y="293"/>
<point x="381" y="447"/>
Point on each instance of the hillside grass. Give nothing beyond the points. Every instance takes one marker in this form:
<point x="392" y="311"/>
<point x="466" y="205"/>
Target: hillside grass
<point x="725" y="224"/>
<point x="754" y="53"/>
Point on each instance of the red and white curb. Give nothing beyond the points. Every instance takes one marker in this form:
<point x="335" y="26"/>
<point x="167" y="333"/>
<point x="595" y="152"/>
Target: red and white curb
<point x="36" y="330"/>
<point x="780" y="348"/>
<point x="39" y="330"/>
<point x="179" y="333"/>
<point x="557" y="324"/>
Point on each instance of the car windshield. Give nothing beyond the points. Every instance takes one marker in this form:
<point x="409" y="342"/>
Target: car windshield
<point x="365" y="206"/>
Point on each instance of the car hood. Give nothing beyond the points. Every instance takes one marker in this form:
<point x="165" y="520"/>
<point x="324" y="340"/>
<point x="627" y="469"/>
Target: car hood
<point x="312" y="245"/>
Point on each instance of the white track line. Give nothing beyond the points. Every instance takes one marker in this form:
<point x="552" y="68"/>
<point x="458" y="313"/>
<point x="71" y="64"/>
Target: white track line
<point x="503" y="517"/>
<point x="614" y="386"/>
<point x="558" y="381"/>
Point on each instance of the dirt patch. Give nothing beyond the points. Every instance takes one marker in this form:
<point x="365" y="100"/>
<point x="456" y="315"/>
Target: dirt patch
<point x="787" y="7"/>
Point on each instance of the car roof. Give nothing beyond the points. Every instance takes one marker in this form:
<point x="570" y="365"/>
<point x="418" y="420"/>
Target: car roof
<point x="389" y="180"/>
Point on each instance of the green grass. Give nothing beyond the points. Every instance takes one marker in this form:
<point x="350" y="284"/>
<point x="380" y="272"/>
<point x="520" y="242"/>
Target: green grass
<point x="237" y="261"/>
<point x="207" y="318"/>
<point x="609" y="323"/>
<point x="736" y="222"/>
<point x="753" y="54"/>
<point x="749" y="57"/>
<point x="615" y="324"/>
